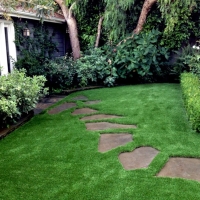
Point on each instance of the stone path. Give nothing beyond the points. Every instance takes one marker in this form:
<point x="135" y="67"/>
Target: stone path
<point x="113" y="140"/>
<point x="46" y="102"/>
<point x="99" y="117"/>
<point x="141" y="157"/>
<point x="188" y="168"/>
<point x="97" y="126"/>
<point x="84" y="111"/>
<point x="61" y="107"/>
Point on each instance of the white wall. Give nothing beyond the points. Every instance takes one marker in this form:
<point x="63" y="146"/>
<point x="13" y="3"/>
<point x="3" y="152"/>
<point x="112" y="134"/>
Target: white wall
<point x="11" y="44"/>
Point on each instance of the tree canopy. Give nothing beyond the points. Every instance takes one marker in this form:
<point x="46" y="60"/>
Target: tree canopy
<point x="119" y="17"/>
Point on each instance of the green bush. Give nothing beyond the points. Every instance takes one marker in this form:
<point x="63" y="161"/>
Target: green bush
<point x="182" y="60"/>
<point x="194" y="64"/>
<point x="141" y="56"/>
<point x="190" y="87"/>
<point x="187" y="60"/>
<point x="95" y="67"/>
<point x="60" y="72"/>
<point x="18" y="95"/>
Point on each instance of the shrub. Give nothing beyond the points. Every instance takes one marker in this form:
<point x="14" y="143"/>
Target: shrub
<point x="182" y="60"/>
<point x="18" y="95"/>
<point x="191" y="94"/>
<point x="95" y="68"/>
<point x="141" y="56"/>
<point x="60" y="72"/>
<point x="194" y="64"/>
<point x="187" y="60"/>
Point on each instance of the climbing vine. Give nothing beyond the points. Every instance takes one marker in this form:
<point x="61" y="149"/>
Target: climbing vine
<point x="35" y="50"/>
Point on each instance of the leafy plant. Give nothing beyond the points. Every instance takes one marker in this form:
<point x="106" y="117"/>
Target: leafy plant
<point x="182" y="60"/>
<point x="95" y="68"/>
<point x="187" y="60"/>
<point x="194" y="61"/>
<point x="142" y="56"/>
<point x="18" y="95"/>
<point x="60" y="72"/>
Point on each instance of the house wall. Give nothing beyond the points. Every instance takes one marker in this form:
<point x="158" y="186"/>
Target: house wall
<point x="59" y="34"/>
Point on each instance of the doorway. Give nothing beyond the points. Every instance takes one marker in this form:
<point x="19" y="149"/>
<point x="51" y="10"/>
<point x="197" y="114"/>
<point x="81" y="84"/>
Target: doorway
<point x="7" y="49"/>
<point x="7" y="46"/>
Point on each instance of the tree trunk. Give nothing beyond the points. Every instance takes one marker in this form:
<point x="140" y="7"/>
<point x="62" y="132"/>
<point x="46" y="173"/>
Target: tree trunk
<point x="72" y="27"/>
<point x="99" y="31"/>
<point x="73" y="35"/>
<point x="143" y="15"/>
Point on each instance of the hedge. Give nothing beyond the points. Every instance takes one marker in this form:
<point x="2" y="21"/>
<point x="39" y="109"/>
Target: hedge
<point x="190" y="85"/>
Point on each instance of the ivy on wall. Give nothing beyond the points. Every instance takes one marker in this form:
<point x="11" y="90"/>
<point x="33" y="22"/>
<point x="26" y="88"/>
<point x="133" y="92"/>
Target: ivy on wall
<point x="39" y="42"/>
<point x="34" y="50"/>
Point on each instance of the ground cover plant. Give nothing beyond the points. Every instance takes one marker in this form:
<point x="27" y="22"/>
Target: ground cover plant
<point x="55" y="157"/>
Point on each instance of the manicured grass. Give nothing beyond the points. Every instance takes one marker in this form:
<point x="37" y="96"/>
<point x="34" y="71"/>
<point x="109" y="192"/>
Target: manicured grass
<point x="55" y="157"/>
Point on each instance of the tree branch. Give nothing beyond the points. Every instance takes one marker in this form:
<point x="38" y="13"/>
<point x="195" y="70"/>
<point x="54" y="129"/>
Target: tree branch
<point x="99" y="31"/>
<point x="143" y="15"/>
<point x="70" y="9"/>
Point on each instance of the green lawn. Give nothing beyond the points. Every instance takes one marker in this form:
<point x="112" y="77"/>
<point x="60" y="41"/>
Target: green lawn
<point x="55" y="157"/>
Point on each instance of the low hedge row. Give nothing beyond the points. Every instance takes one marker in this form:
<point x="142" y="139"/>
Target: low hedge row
<point x="191" y="93"/>
<point x="18" y="95"/>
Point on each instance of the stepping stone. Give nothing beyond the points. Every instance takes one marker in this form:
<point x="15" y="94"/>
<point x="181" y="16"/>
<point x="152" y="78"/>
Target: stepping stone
<point x="53" y="99"/>
<point x="110" y="141"/>
<point x="139" y="158"/>
<point x="106" y="125"/>
<point x="92" y="102"/>
<point x="80" y="98"/>
<point x="61" y="108"/>
<point x="84" y="111"/>
<point x="40" y="107"/>
<point x="46" y="102"/>
<point x="188" y="168"/>
<point x="99" y="116"/>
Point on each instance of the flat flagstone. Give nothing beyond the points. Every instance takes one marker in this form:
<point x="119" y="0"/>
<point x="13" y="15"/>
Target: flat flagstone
<point x="46" y="102"/>
<point x="61" y="108"/>
<point x="53" y="98"/>
<point x="92" y="102"/>
<point x="106" y="125"/>
<point x="99" y="116"/>
<point x="84" y="111"/>
<point x="80" y="97"/>
<point x="110" y="141"/>
<point x="188" y="168"/>
<point x="40" y="107"/>
<point x="139" y="158"/>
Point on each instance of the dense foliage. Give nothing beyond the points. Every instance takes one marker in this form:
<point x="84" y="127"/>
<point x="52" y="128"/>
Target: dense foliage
<point x="94" y="67"/>
<point x="122" y="57"/>
<point x="142" y="57"/>
<point x="18" y="95"/>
